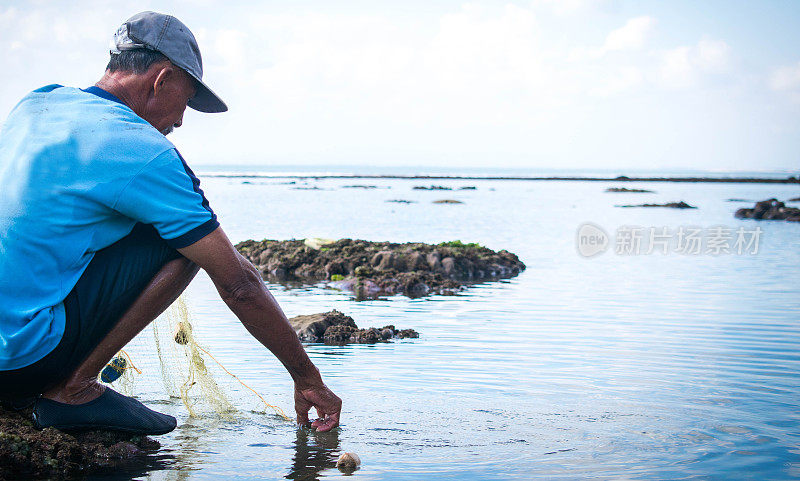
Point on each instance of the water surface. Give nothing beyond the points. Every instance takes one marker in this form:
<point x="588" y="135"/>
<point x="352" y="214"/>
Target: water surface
<point x="636" y="367"/>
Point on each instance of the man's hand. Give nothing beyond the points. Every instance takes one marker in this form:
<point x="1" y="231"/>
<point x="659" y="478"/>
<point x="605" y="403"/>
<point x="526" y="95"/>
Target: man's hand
<point x="328" y="406"/>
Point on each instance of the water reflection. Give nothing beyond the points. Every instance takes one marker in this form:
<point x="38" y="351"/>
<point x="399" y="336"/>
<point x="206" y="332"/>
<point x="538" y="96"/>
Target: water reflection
<point x="314" y="452"/>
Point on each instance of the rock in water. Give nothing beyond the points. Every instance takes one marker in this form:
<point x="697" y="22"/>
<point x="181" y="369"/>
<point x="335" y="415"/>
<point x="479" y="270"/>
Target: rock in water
<point x="312" y="327"/>
<point x="632" y="191"/>
<point x="671" y="205"/>
<point x="374" y="269"/>
<point x="770" y="209"/>
<point x="336" y="328"/>
<point x="348" y="462"/>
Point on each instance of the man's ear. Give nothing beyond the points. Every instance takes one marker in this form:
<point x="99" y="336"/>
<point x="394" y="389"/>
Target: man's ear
<point x="164" y="75"/>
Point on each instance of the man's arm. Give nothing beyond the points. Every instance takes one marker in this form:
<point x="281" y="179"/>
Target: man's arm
<point x="240" y="286"/>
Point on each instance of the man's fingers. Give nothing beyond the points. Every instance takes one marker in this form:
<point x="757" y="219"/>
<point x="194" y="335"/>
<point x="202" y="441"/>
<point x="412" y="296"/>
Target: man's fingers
<point x="301" y="407"/>
<point x="329" y="423"/>
<point x="302" y="418"/>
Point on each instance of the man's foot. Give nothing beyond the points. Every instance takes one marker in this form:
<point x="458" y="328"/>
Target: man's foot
<point x="75" y="392"/>
<point x="110" y="412"/>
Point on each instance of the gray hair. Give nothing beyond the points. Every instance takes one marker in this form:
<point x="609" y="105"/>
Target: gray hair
<point x="136" y="61"/>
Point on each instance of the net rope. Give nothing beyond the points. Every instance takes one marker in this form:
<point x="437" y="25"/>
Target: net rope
<point x="175" y="364"/>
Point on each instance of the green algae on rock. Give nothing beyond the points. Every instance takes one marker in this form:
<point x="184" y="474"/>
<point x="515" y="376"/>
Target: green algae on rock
<point x="372" y="269"/>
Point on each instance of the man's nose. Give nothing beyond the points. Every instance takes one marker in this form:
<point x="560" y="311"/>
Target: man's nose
<point x="178" y="123"/>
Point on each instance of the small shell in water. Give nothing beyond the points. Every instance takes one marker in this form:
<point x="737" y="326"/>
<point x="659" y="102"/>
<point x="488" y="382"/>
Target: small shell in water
<point x="348" y="462"/>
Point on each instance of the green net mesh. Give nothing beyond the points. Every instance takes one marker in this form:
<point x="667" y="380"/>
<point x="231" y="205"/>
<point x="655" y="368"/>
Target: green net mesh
<point x="167" y="360"/>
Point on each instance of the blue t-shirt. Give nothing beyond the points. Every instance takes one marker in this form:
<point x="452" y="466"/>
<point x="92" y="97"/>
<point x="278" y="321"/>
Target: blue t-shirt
<point x="78" y="169"/>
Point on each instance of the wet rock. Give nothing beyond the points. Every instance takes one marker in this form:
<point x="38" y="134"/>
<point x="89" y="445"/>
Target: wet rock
<point x="447" y="201"/>
<point x="383" y="260"/>
<point x="672" y="205"/>
<point x="264" y="257"/>
<point x="770" y="209"/>
<point x="408" y="334"/>
<point x="339" y="334"/>
<point x="368" y="336"/>
<point x="449" y="267"/>
<point x="26" y="452"/>
<point x="367" y="289"/>
<point x="435" y="261"/>
<point x="402" y="201"/>
<point x="312" y="327"/>
<point x="415" y="261"/>
<point x="374" y="269"/>
<point x="336" y="328"/>
<point x="795" y="199"/>
<point x="625" y="189"/>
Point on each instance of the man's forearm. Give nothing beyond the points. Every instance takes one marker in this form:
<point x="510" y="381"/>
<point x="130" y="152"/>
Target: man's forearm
<point x="261" y="315"/>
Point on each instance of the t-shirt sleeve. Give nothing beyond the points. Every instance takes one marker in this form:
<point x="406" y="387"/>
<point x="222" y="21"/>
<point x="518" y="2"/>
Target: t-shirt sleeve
<point x="167" y="195"/>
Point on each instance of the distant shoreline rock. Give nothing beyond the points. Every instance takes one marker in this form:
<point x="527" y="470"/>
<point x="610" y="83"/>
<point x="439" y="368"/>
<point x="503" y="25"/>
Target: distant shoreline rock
<point x="770" y="209"/>
<point x="336" y="328"/>
<point x="627" y="190"/>
<point x="671" y="205"/>
<point x="374" y="269"/>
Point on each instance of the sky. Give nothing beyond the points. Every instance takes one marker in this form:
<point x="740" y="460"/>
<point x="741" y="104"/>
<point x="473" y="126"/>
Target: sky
<point x="542" y="84"/>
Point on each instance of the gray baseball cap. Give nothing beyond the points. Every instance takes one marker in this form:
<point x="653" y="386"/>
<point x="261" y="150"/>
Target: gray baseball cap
<point x="169" y="36"/>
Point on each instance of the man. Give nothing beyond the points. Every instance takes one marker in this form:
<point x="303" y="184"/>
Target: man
<point x="103" y="225"/>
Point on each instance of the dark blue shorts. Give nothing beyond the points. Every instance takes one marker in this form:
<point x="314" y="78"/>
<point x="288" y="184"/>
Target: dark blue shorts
<point x="109" y="285"/>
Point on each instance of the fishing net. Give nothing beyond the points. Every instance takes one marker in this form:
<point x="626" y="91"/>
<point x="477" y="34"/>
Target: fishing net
<point x="167" y="360"/>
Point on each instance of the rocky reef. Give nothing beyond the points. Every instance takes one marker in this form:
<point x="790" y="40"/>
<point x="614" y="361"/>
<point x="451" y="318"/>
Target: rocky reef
<point x="26" y="452"/>
<point x="372" y="269"/>
<point x="770" y="209"/>
<point x="671" y="205"/>
<point x="625" y="189"/>
<point x="337" y="328"/>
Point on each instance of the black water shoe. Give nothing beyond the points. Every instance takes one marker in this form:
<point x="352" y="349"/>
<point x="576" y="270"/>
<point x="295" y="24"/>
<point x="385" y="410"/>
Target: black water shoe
<point x="110" y="412"/>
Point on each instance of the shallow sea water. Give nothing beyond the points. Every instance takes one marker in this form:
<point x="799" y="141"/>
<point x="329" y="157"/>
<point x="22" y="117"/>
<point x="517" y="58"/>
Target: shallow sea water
<point x="615" y="367"/>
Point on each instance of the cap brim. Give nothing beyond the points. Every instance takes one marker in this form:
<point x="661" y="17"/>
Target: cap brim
<point x="205" y="100"/>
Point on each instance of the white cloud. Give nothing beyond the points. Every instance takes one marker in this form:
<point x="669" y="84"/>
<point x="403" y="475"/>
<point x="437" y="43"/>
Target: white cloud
<point x="631" y="36"/>
<point x="566" y="7"/>
<point x="483" y="80"/>
<point x="786" y="78"/>
<point x="686" y="66"/>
